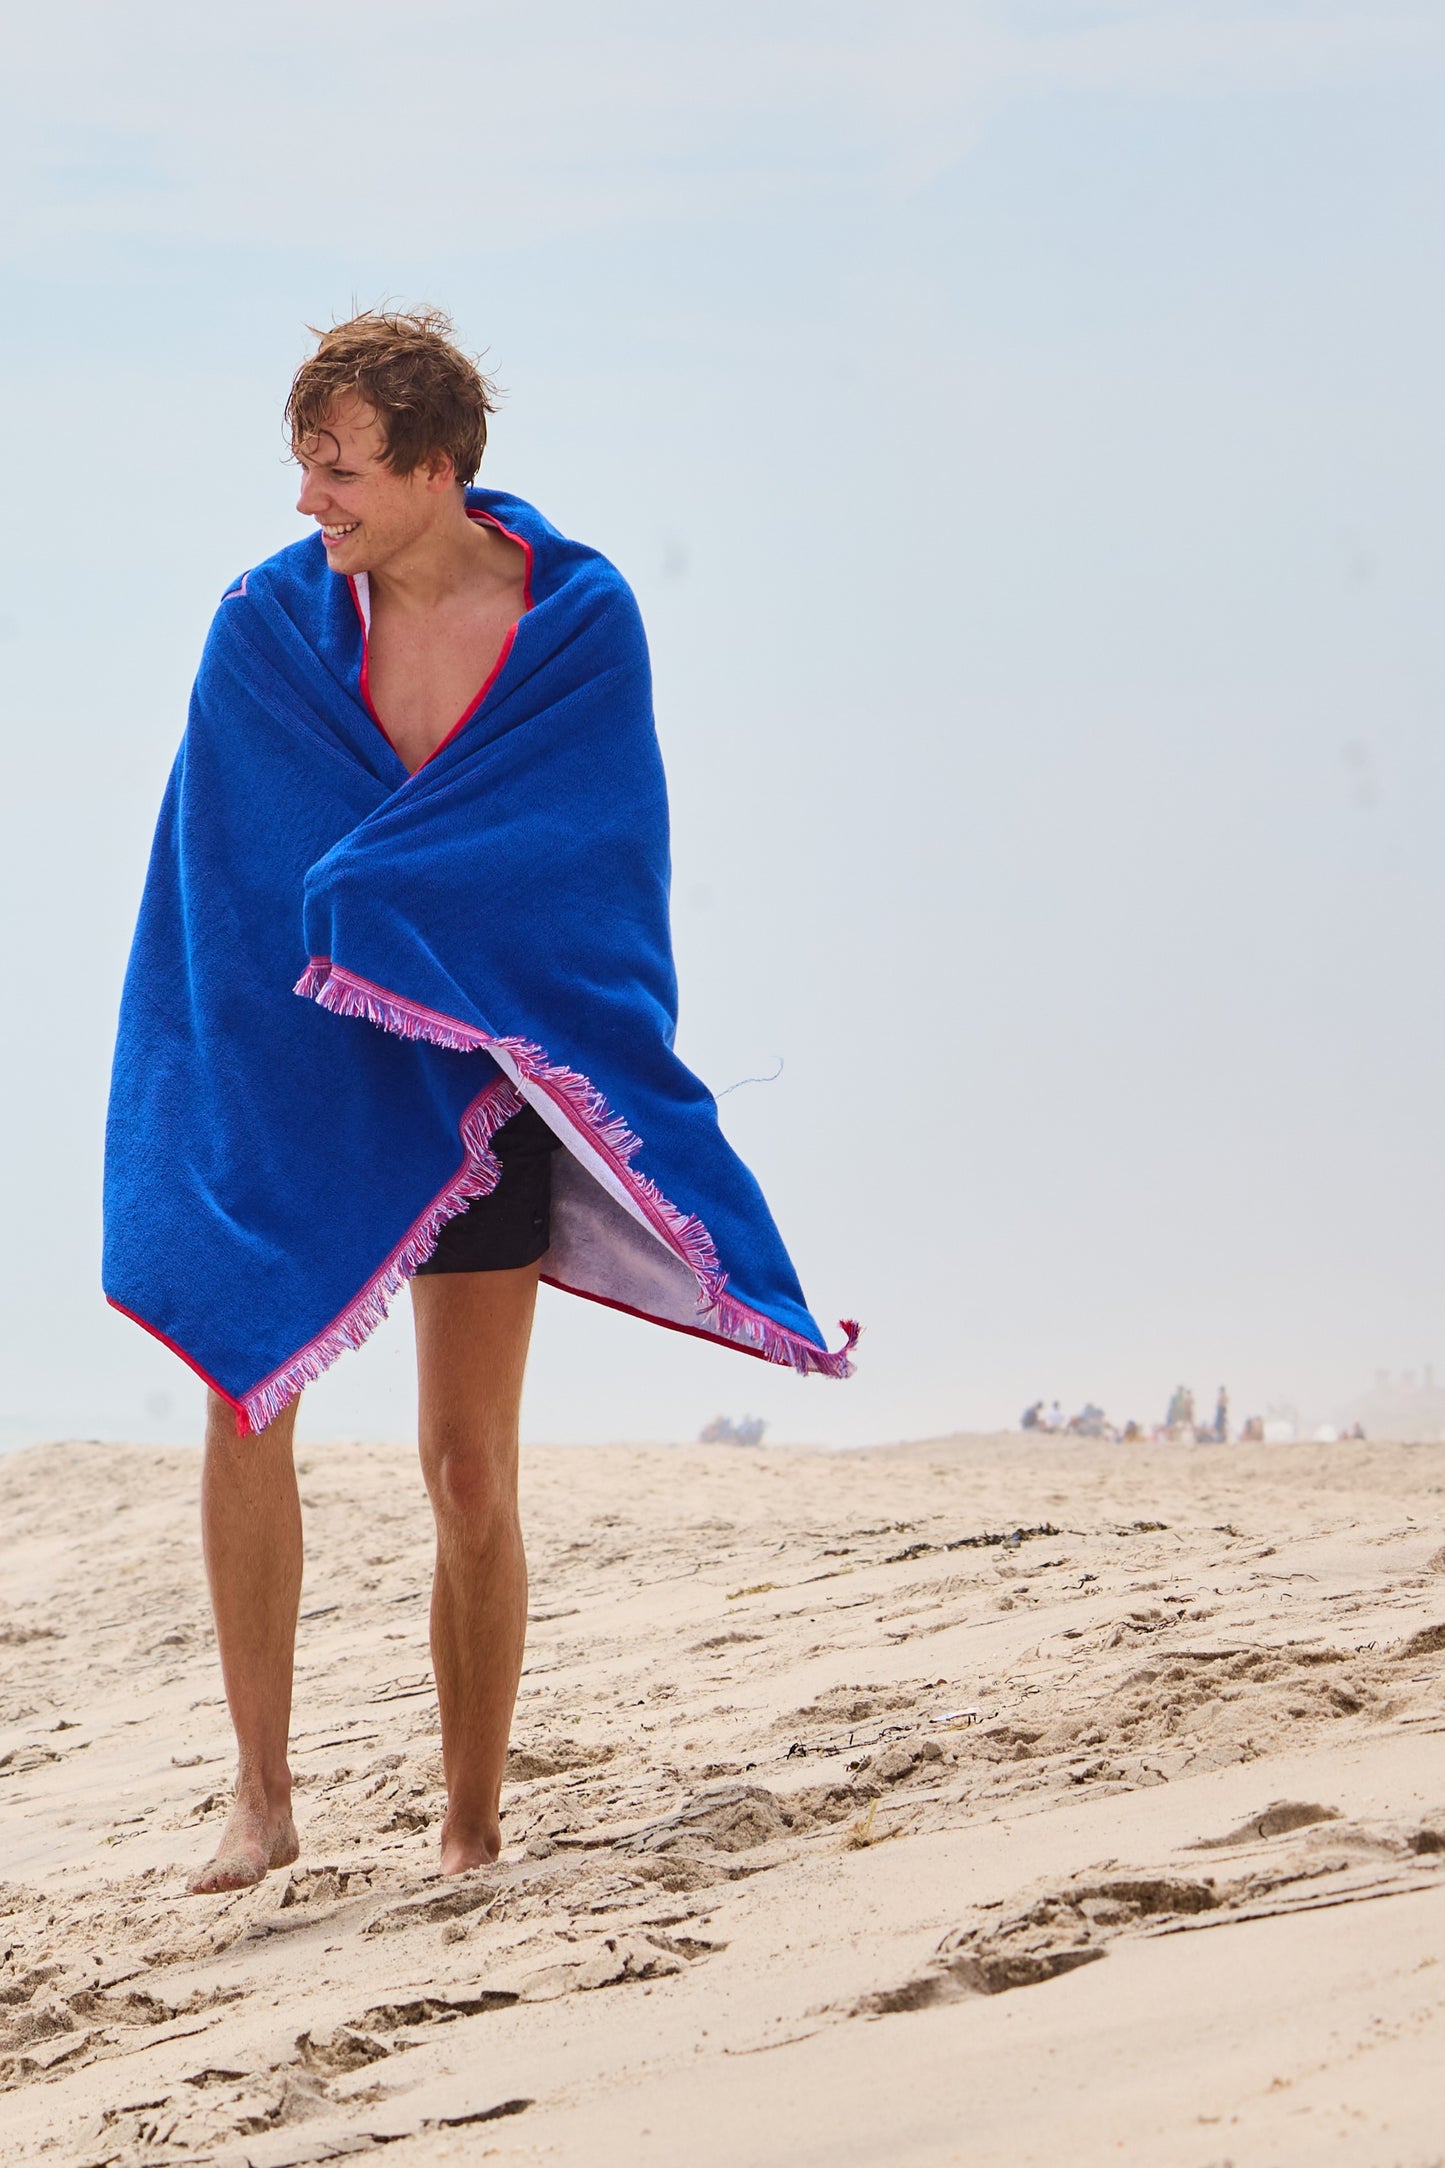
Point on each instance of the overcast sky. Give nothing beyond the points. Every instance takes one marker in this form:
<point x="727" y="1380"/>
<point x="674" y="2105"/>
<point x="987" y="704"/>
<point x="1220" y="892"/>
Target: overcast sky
<point x="1021" y="425"/>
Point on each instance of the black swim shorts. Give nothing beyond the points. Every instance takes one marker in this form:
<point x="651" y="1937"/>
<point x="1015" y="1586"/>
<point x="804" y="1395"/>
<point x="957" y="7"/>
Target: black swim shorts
<point x="512" y="1226"/>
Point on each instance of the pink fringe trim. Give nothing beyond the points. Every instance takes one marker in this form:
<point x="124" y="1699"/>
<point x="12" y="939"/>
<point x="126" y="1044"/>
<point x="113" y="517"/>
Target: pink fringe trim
<point x="477" y="1176"/>
<point x="579" y="1099"/>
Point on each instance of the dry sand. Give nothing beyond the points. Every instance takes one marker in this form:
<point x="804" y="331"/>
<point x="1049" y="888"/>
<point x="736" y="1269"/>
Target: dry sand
<point x="1174" y="1896"/>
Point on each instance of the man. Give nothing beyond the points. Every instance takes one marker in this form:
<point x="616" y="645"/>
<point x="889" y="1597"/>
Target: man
<point x="422" y="738"/>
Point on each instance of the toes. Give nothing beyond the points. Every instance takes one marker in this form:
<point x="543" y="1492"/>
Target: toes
<point x="228" y="1871"/>
<point x="246" y="1856"/>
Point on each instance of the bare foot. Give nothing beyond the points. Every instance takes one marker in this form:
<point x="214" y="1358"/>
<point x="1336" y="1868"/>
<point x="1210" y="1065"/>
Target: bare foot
<point x="466" y="1845"/>
<point x="254" y="1840"/>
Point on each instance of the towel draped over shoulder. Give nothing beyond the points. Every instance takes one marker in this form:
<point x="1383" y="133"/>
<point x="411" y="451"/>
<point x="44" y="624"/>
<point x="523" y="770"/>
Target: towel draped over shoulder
<point x="488" y="931"/>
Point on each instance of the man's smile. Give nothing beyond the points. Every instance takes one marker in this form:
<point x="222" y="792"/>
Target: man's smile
<point x="338" y="534"/>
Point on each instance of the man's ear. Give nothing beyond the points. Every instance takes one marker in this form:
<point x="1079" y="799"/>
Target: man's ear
<point x="441" y="470"/>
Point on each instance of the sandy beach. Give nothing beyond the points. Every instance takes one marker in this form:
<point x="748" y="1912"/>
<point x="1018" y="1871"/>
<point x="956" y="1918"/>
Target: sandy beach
<point x="990" y="1800"/>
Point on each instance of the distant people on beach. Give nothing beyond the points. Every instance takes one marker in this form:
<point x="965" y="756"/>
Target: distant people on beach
<point x="722" y="1430"/>
<point x="1181" y="1424"/>
<point x="1038" y="1417"/>
<point x="1090" y="1422"/>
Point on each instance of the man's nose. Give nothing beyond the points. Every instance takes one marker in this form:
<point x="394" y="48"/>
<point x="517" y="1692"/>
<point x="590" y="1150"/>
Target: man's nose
<point x="312" y="496"/>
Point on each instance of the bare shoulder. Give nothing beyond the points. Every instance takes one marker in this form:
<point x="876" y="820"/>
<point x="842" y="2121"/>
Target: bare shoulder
<point x="500" y="558"/>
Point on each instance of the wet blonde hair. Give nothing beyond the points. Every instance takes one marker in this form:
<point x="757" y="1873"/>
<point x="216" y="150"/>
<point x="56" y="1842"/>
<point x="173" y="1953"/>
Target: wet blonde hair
<point x="428" y="395"/>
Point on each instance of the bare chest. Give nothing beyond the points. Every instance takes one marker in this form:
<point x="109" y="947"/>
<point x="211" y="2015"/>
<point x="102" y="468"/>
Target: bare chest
<point x="424" y="673"/>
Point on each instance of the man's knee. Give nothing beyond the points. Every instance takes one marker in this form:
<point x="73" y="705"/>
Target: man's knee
<point x="473" y="1487"/>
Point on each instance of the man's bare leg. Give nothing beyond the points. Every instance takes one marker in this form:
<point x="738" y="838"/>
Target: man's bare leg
<point x="472" y="1333"/>
<point x="251" y="1530"/>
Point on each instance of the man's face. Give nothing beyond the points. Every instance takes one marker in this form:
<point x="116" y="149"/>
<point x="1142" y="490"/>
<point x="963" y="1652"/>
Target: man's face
<point x="366" y="511"/>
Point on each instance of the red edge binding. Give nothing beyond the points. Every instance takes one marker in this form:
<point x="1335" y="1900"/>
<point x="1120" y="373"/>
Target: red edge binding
<point x="578" y="1099"/>
<point x="243" y="1426"/>
<point x="477" y="1176"/>
<point x="483" y="519"/>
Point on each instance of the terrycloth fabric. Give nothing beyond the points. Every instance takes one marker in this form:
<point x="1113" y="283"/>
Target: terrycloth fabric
<point x="275" y="1166"/>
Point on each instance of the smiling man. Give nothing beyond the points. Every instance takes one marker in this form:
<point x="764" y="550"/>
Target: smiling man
<point x="420" y="790"/>
<point x="446" y="588"/>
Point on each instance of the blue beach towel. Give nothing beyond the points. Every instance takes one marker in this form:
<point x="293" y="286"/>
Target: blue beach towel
<point x="489" y="931"/>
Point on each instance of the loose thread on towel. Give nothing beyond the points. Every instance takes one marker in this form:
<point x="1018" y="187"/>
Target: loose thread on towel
<point x="751" y="1080"/>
